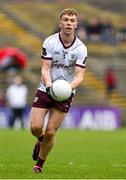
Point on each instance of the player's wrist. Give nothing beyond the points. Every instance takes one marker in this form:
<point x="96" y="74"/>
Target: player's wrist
<point x="48" y="89"/>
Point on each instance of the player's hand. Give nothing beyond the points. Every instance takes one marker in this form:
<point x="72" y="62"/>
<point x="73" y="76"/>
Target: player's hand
<point x="48" y="90"/>
<point x="72" y="94"/>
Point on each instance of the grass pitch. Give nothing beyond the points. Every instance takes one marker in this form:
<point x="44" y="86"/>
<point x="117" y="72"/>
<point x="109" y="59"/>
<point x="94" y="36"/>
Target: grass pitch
<point x="76" y="155"/>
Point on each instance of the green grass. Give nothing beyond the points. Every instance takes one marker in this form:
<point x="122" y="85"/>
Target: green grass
<point x="77" y="154"/>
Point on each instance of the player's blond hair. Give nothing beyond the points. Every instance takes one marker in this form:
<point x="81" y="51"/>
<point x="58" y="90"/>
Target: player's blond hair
<point x="69" y="11"/>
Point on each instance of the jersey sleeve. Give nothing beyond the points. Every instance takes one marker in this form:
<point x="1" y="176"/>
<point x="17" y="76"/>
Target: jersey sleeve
<point x="46" y="50"/>
<point x="82" y="56"/>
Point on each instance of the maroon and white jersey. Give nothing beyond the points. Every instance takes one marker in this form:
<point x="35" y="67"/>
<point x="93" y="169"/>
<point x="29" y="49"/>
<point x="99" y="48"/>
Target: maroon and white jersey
<point x="64" y="59"/>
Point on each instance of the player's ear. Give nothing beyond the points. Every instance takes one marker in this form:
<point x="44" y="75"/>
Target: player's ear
<point x="59" y="23"/>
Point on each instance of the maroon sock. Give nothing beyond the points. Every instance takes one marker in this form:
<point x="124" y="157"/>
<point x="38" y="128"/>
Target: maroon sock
<point x="40" y="162"/>
<point x="40" y="139"/>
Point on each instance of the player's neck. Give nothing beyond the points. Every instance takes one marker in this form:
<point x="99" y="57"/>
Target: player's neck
<point x="67" y="39"/>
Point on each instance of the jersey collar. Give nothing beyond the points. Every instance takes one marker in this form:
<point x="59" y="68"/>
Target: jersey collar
<point x="70" y="44"/>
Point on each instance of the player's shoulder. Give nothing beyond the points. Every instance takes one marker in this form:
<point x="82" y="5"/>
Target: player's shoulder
<point x="52" y="38"/>
<point x="79" y="42"/>
<point x="80" y="45"/>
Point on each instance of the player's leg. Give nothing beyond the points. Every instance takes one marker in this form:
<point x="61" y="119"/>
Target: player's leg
<point x="41" y="104"/>
<point x="37" y="117"/>
<point x="20" y="115"/>
<point x="55" y="120"/>
<point x="12" y="117"/>
<point x="36" y="126"/>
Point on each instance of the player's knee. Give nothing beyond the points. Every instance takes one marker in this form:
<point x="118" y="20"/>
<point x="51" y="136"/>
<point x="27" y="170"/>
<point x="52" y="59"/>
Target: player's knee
<point x="35" y="129"/>
<point x="50" y="133"/>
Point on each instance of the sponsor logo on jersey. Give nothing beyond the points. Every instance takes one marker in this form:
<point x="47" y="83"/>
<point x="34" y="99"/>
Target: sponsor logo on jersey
<point x="58" y="65"/>
<point x="56" y="52"/>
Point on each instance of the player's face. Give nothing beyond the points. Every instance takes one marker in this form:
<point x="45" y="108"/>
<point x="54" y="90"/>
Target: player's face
<point x="68" y="23"/>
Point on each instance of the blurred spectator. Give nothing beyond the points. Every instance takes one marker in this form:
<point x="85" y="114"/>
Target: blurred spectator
<point x="94" y="29"/>
<point x="111" y="81"/>
<point x="82" y="27"/>
<point x="12" y="59"/>
<point x="122" y="32"/>
<point x="10" y="77"/>
<point x="82" y="21"/>
<point x="2" y="98"/>
<point x="108" y="33"/>
<point x="82" y="34"/>
<point x="17" y="100"/>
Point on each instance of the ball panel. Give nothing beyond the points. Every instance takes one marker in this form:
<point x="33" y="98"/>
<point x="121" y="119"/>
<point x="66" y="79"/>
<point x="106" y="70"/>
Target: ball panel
<point x="61" y="90"/>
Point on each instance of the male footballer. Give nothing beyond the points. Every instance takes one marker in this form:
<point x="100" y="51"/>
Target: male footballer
<point x="63" y="56"/>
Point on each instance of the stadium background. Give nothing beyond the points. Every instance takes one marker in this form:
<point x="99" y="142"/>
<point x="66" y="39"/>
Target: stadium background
<point x="27" y="31"/>
<point x="25" y="24"/>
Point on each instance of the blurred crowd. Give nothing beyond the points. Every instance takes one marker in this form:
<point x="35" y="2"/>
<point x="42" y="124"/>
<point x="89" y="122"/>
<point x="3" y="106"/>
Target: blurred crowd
<point x="97" y="29"/>
<point x="100" y="30"/>
<point x="15" y="97"/>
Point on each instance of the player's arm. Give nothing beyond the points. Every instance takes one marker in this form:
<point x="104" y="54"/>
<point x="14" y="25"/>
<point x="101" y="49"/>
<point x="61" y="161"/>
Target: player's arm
<point x="80" y="66"/>
<point x="79" y="75"/>
<point x="45" y="72"/>
<point x="46" y="59"/>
